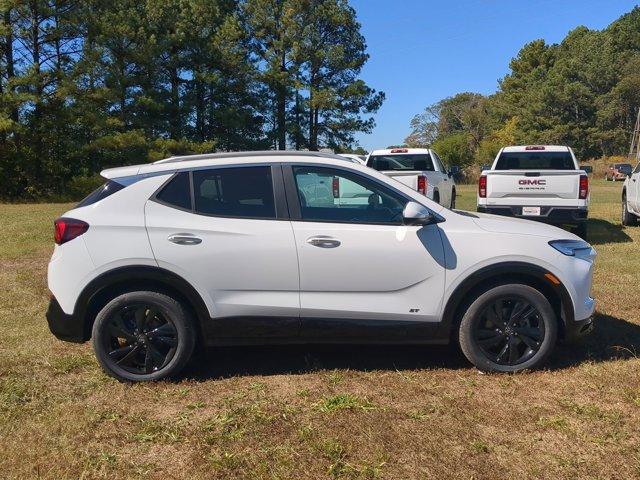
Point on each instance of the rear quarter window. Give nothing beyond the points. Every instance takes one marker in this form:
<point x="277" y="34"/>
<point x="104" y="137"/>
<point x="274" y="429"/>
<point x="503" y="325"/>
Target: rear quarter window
<point x="100" y="193"/>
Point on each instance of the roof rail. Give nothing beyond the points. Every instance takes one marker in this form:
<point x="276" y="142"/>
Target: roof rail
<point x="260" y="153"/>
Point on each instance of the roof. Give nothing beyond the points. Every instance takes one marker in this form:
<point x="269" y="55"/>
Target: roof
<point x="194" y="161"/>
<point x="527" y="148"/>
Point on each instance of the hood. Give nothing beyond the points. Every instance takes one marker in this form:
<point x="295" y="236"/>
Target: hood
<point x="500" y="224"/>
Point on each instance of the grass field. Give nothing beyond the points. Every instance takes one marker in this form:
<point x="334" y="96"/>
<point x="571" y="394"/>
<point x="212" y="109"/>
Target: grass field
<point x="320" y="412"/>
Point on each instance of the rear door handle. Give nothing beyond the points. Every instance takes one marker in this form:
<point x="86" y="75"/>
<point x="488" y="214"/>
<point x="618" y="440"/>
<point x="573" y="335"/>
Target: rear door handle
<point x="323" y="241"/>
<point x="184" y="239"/>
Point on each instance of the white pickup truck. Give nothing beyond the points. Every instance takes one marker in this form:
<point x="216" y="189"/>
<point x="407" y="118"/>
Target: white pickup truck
<point x="537" y="182"/>
<point x="418" y="168"/>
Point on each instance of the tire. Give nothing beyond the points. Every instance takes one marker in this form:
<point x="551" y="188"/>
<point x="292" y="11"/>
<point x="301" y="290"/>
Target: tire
<point x="436" y="197"/>
<point x="628" y="218"/>
<point x="531" y="338"/>
<point x="580" y="230"/>
<point x="143" y="336"/>
<point x="452" y="205"/>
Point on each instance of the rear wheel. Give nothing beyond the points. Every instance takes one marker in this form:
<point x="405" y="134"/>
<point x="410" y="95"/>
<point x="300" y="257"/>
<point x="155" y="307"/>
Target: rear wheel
<point x="452" y="206"/>
<point x="509" y="328"/>
<point x="628" y="218"/>
<point x="143" y="336"/>
<point x="436" y="197"/>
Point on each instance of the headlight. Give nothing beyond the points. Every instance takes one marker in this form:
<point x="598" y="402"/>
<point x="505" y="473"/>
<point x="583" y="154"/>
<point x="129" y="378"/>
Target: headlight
<point x="573" y="248"/>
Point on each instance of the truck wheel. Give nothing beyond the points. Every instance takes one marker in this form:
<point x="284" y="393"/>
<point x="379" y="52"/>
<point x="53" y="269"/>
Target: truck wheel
<point x="628" y="218"/>
<point x="580" y="230"/>
<point x="436" y="197"/>
<point x="509" y="328"/>
<point x="452" y="206"/>
<point x="143" y="336"/>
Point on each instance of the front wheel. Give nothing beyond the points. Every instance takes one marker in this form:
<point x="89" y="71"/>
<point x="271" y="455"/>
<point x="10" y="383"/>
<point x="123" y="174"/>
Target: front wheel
<point x="452" y="206"/>
<point x="143" y="336"/>
<point x="628" y="218"/>
<point x="508" y="328"/>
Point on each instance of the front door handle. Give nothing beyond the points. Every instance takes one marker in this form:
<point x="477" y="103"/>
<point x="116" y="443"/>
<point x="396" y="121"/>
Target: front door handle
<point x="184" y="239"/>
<point x="323" y="241"/>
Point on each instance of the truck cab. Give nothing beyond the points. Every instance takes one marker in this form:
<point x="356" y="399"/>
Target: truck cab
<point x="418" y="168"/>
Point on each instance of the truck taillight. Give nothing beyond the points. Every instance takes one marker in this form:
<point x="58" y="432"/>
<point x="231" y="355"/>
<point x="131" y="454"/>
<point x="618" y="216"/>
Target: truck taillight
<point x="336" y="187"/>
<point x="66" y="229"/>
<point x="584" y="187"/>
<point x="422" y="184"/>
<point x="482" y="186"/>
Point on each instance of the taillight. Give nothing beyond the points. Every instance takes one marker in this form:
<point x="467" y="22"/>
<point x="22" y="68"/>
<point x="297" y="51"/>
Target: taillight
<point x="482" y="186"/>
<point x="422" y="184"/>
<point x="336" y="187"/>
<point x="584" y="187"/>
<point x="68" y="228"/>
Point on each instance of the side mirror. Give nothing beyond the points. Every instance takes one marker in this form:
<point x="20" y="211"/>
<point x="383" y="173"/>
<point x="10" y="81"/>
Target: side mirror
<point x="485" y="167"/>
<point x="454" y="170"/>
<point x="416" y="214"/>
<point x="587" y="168"/>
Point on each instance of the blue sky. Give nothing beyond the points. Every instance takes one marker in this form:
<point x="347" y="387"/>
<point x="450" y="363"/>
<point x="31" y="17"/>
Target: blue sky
<point x="423" y="51"/>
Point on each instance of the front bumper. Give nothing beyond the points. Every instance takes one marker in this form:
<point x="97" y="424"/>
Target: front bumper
<point x="551" y="215"/>
<point x="64" y="326"/>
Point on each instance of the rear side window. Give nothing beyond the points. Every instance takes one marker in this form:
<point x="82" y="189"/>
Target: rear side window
<point x="177" y="192"/>
<point x="421" y="162"/>
<point x="101" y="193"/>
<point x="242" y="192"/>
<point x="535" y="161"/>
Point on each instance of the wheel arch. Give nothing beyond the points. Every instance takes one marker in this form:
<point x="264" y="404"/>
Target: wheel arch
<point x="120" y="280"/>
<point x="500" y="274"/>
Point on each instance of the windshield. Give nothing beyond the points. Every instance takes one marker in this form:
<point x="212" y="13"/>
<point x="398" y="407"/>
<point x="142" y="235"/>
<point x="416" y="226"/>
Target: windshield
<point x="421" y="162"/>
<point x="535" y="161"/>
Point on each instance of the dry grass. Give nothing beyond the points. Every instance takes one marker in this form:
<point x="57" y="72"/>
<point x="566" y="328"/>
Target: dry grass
<point x="319" y="412"/>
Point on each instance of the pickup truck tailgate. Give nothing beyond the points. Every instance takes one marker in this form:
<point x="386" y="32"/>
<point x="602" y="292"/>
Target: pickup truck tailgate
<point x="548" y="184"/>
<point x="408" y="178"/>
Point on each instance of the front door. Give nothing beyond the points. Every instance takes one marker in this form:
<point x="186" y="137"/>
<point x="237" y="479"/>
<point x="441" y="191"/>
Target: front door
<point x="359" y="266"/>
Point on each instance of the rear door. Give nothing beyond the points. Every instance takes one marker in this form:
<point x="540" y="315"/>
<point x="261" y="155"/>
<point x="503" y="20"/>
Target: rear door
<point x="361" y="271"/>
<point x="230" y="237"/>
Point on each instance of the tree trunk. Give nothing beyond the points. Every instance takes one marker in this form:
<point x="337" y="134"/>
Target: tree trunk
<point x="175" y="120"/>
<point x="10" y="66"/>
<point x="282" y="108"/>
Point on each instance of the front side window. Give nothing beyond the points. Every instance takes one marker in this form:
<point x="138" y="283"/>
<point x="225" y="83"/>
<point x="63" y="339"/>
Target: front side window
<point x="242" y="192"/>
<point x="331" y="195"/>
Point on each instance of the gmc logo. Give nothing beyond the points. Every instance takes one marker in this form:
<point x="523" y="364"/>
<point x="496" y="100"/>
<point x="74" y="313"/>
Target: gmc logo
<point x="526" y="181"/>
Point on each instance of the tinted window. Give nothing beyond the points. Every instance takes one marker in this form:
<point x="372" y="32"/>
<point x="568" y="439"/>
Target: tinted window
<point x="421" y="162"/>
<point x="245" y="192"/>
<point x="101" y="193"/>
<point x="535" y="161"/>
<point x="624" y="168"/>
<point x="329" y="195"/>
<point x="177" y="192"/>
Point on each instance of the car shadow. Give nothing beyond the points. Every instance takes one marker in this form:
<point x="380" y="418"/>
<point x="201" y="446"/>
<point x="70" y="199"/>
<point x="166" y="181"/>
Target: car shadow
<point x="612" y="339"/>
<point x="225" y="362"/>
<point x="602" y="232"/>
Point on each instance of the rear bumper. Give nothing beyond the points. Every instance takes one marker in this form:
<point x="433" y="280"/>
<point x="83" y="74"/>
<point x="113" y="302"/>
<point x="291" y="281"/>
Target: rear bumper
<point x="64" y="326"/>
<point x="552" y="215"/>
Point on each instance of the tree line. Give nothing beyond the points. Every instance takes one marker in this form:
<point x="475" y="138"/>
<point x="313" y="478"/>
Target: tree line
<point x="583" y="92"/>
<point x="90" y="84"/>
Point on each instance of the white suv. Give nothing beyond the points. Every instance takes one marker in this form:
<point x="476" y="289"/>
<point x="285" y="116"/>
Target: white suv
<point x="263" y="247"/>
<point x="631" y="198"/>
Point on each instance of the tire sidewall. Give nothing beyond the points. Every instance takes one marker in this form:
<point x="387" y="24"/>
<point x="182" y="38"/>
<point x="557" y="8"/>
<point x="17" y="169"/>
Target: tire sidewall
<point x="170" y="308"/>
<point x="466" y="332"/>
